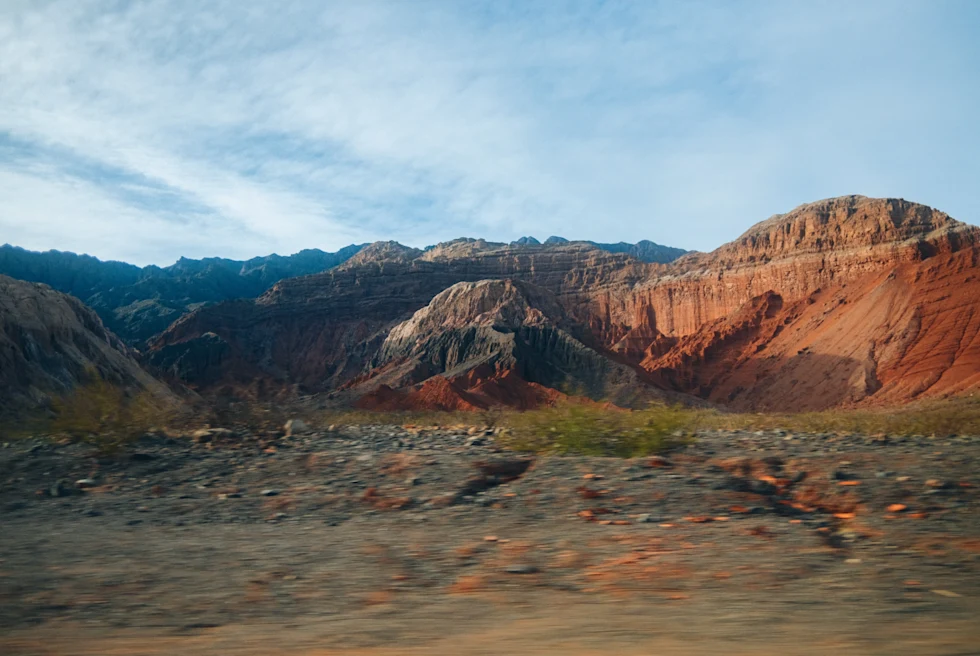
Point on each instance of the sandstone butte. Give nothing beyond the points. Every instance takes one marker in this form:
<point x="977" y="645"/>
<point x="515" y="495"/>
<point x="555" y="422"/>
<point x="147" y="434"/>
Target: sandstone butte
<point x="850" y="301"/>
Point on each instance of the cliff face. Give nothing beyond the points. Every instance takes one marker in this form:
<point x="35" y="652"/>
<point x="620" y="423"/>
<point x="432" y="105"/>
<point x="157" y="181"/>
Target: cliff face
<point x="499" y="341"/>
<point x="48" y="343"/>
<point x="846" y="301"/>
<point x="814" y="246"/>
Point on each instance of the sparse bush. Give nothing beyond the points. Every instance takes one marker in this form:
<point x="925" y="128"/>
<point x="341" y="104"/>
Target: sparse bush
<point x="103" y="415"/>
<point x="596" y="431"/>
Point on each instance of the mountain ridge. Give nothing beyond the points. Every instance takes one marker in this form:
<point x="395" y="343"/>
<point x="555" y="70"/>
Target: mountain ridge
<point x="848" y="301"/>
<point x="665" y="322"/>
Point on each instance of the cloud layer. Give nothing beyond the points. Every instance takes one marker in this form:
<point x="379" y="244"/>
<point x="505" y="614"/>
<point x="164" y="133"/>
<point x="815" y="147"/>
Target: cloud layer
<point x="148" y="130"/>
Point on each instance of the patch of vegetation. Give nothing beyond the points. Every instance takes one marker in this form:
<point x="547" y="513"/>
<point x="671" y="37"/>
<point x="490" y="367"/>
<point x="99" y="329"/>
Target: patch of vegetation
<point x="593" y="430"/>
<point x="103" y="415"/>
<point x="596" y="431"/>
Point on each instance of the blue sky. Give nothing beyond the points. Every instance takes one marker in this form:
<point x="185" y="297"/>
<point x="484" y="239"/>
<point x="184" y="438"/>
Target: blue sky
<point x="144" y="131"/>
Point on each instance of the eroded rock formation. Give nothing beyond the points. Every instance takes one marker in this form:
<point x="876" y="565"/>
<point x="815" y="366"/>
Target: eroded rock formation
<point x="846" y="301"/>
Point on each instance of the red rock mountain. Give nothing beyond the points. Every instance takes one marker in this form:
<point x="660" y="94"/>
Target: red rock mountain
<point x="848" y="301"/>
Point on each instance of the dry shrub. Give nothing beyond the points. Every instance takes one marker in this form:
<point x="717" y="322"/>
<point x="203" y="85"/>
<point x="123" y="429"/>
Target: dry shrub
<point x="106" y="416"/>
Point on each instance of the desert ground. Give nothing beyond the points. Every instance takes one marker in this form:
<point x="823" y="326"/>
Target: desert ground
<point x="378" y="540"/>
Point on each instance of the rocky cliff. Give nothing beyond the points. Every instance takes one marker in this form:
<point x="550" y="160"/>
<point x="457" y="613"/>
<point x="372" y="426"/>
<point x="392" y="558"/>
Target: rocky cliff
<point x="497" y="342"/>
<point x="321" y="331"/>
<point x="50" y="341"/>
<point x="846" y="301"/>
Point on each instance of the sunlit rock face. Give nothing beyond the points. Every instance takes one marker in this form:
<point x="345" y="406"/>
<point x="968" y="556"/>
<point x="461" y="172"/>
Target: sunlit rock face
<point x="845" y="301"/>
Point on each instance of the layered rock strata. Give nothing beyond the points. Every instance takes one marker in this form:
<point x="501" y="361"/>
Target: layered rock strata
<point x="847" y="301"/>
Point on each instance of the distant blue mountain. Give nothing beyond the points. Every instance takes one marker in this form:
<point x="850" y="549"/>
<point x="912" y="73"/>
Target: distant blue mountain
<point x="138" y="302"/>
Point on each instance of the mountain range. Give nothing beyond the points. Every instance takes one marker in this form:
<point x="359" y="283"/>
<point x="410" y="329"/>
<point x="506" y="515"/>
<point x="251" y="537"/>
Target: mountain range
<point x="139" y="302"/>
<point x="849" y="301"/>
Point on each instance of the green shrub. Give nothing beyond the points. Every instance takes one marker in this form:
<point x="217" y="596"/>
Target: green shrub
<point x="597" y="431"/>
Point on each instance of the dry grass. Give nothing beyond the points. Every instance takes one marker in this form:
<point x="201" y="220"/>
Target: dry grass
<point x="955" y="416"/>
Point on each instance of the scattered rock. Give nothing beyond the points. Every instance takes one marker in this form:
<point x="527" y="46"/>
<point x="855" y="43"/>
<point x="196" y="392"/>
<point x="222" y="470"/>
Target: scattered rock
<point x="295" y="427"/>
<point x="61" y="488"/>
<point x="208" y="435"/>
<point x="947" y="593"/>
<point x="521" y="569"/>
<point x="504" y="468"/>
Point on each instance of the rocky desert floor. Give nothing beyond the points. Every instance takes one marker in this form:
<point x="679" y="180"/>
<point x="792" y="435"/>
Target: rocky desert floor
<point x="394" y="540"/>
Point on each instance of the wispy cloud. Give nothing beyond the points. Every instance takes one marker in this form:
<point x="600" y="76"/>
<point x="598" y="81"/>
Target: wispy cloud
<point x="148" y="130"/>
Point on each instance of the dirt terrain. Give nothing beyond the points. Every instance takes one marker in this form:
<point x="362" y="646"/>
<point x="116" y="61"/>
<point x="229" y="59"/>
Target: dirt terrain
<point x="393" y="540"/>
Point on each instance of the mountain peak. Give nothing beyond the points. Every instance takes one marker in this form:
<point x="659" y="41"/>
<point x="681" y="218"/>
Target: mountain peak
<point x="842" y="222"/>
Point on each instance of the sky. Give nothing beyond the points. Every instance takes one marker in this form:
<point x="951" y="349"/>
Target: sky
<point x="149" y="130"/>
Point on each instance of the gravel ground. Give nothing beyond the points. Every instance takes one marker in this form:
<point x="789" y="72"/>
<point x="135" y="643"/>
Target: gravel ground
<point x="392" y="540"/>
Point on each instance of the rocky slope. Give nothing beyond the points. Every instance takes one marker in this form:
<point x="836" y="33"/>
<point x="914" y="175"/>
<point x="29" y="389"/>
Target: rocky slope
<point x="851" y="300"/>
<point x="137" y="303"/>
<point x="846" y="301"/>
<point x="493" y="342"/>
<point x="50" y="341"/>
